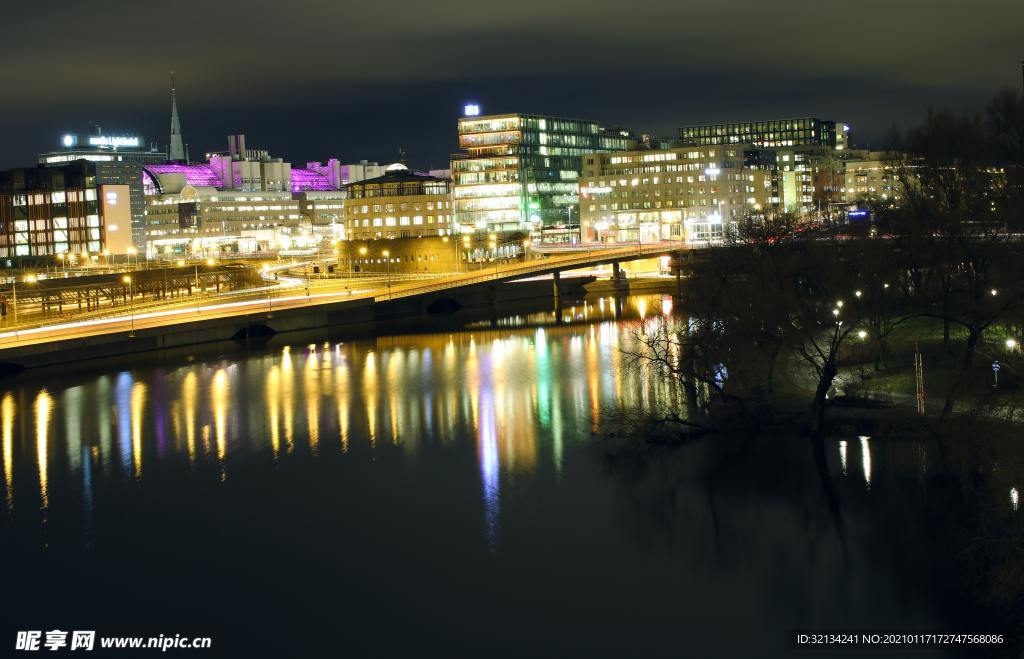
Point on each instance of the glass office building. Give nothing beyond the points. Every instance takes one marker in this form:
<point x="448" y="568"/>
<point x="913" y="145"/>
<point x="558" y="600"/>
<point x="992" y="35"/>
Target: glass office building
<point x="778" y="133"/>
<point x="519" y="173"/>
<point x="118" y="161"/>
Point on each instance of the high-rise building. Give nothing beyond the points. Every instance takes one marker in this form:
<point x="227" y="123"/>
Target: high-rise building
<point x="520" y="172"/>
<point x="61" y="209"/>
<point x="678" y="193"/>
<point x="118" y="160"/>
<point x="776" y="133"/>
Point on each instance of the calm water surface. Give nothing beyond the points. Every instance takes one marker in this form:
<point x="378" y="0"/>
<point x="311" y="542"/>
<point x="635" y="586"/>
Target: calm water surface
<point x="452" y="494"/>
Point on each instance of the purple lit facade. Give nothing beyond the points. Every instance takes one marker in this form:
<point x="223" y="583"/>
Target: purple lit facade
<point x="304" y="180"/>
<point x="199" y="176"/>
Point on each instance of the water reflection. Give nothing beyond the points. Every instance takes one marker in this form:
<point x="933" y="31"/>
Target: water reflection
<point x="521" y="392"/>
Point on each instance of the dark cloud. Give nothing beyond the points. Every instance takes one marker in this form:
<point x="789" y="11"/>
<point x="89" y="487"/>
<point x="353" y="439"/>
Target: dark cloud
<point x="314" y="79"/>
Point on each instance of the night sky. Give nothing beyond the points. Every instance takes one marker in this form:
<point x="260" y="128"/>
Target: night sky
<point x="311" y="80"/>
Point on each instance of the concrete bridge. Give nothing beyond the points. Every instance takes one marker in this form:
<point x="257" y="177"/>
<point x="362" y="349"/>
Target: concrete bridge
<point x="357" y="313"/>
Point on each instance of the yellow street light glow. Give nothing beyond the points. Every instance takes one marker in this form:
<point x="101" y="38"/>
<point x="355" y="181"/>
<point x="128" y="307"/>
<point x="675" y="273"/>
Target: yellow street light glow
<point x="526" y="243"/>
<point x="126" y="279"/>
<point x="995" y="292"/>
<point x="61" y="256"/>
<point x="132" y="250"/>
<point x="492" y="244"/>
<point x="862" y="334"/>
<point x="386" y="253"/>
<point x="362" y="251"/>
<point x="266" y="268"/>
<point x="1011" y="343"/>
<point x="835" y="312"/>
<point x="465" y="239"/>
<point x="180" y="263"/>
<point x="30" y="279"/>
<point x="493" y="236"/>
<point x="857" y="293"/>
<point x="839" y="304"/>
<point x="210" y="261"/>
<point x="886" y="285"/>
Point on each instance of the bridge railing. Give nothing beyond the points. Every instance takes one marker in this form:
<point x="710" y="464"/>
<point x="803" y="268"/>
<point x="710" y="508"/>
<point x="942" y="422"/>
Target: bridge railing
<point x="525" y="269"/>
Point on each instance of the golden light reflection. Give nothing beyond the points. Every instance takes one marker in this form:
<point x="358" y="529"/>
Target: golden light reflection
<point x="341" y="393"/>
<point x="370" y="394"/>
<point x="311" y="392"/>
<point x="7" y="428"/>
<point x="189" y="396"/>
<point x="43" y="409"/>
<point x="138" y="408"/>
<point x="221" y="393"/>
<point x="273" y="400"/>
<point x="288" y="397"/>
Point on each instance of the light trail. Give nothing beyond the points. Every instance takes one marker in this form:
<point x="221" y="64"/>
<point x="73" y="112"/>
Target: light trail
<point x="176" y="312"/>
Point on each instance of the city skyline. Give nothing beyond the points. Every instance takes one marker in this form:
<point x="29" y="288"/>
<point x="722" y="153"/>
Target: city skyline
<point x="363" y="83"/>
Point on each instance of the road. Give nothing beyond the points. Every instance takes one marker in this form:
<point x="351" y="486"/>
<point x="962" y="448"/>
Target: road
<point x="295" y="295"/>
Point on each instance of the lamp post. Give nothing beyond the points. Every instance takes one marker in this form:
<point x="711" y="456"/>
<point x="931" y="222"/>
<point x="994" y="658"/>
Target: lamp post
<point x="387" y="259"/>
<point x="270" y="291"/>
<point x="129" y="253"/>
<point x="131" y="301"/>
<point x="494" y="248"/>
<point x="466" y="240"/>
<point x="63" y="262"/>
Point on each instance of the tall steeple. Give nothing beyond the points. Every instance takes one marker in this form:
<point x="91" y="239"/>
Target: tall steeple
<point x="176" y="150"/>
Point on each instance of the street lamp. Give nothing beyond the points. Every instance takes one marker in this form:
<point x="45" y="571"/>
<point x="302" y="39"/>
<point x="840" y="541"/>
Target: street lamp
<point x="130" y="252"/>
<point x="494" y="248"/>
<point x="270" y="291"/>
<point x="131" y="301"/>
<point x="387" y="259"/>
<point x="63" y="262"/>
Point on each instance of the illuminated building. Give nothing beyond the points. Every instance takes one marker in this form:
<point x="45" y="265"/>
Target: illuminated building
<point x="118" y="160"/>
<point x="679" y="193"/>
<point x="46" y="211"/>
<point x="400" y="204"/>
<point x="869" y="177"/>
<point x="407" y="214"/>
<point x="519" y="173"/>
<point x="243" y="201"/>
<point x="777" y="133"/>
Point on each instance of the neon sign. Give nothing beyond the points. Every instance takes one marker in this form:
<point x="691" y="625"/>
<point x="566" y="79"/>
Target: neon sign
<point x="114" y="141"/>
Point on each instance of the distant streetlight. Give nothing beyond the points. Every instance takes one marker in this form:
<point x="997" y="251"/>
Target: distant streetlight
<point x="862" y="334"/>
<point x="387" y="260"/>
<point x="131" y="251"/>
<point x="131" y="301"/>
<point x="857" y="293"/>
<point x="1011" y="344"/>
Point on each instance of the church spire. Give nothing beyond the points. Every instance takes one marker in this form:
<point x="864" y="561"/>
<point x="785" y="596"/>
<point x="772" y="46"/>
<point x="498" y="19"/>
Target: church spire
<point x="176" y="150"/>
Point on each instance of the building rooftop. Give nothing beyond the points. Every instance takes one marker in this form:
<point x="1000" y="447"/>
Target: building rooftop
<point x="304" y="180"/>
<point x="197" y="176"/>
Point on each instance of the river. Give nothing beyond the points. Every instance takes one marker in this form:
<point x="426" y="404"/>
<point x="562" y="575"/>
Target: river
<point x="452" y="494"/>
